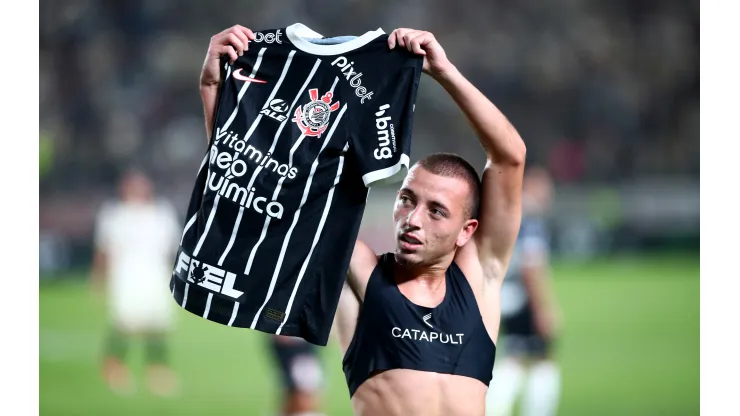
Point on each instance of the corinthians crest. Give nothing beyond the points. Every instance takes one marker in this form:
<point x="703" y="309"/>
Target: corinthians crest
<point x="313" y="118"/>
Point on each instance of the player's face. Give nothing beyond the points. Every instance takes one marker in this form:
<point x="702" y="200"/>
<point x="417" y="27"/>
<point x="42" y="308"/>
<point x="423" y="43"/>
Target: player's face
<point x="430" y="217"/>
<point x="538" y="190"/>
<point x="136" y="188"/>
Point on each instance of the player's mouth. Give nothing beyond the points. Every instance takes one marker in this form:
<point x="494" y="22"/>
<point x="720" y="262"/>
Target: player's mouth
<point x="409" y="242"/>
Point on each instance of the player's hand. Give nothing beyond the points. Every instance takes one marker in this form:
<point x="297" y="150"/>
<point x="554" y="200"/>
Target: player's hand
<point x="422" y="43"/>
<point x="233" y="42"/>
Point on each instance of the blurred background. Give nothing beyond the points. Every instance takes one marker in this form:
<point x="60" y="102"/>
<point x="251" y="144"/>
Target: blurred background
<point x="605" y="94"/>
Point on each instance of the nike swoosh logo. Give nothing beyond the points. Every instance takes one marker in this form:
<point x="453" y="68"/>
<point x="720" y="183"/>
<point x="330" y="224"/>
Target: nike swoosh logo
<point x="238" y="75"/>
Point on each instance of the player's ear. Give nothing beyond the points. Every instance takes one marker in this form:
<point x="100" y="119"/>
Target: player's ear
<point x="467" y="231"/>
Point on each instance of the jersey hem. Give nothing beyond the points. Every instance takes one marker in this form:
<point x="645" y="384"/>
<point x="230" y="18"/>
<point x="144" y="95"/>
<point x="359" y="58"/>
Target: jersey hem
<point x="185" y="294"/>
<point x="387" y="175"/>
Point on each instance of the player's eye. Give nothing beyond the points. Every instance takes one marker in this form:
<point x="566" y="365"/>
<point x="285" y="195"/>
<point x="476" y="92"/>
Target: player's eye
<point x="437" y="213"/>
<point x="404" y="199"/>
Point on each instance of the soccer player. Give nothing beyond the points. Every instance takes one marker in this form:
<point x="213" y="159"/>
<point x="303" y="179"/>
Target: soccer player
<point x="301" y="375"/>
<point x="424" y="342"/>
<point x="135" y="239"/>
<point x="530" y="314"/>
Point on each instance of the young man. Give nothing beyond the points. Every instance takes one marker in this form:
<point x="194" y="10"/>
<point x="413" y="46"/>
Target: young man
<point x="424" y="341"/>
<point x="530" y="314"/>
<point x="135" y="239"/>
<point x="429" y="318"/>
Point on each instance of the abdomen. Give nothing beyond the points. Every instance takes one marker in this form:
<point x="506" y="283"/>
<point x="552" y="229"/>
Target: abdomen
<point x="409" y="392"/>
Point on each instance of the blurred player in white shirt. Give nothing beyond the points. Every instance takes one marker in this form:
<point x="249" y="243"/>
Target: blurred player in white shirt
<point x="135" y="241"/>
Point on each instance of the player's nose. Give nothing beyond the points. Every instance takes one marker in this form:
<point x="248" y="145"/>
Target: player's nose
<point x="414" y="218"/>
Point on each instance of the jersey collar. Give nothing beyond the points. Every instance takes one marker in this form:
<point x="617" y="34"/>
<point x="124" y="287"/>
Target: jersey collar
<point x="298" y="33"/>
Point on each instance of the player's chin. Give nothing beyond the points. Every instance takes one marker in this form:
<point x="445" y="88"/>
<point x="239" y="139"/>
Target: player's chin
<point x="408" y="257"/>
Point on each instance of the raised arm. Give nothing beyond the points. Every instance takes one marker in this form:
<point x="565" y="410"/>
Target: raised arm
<point x="232" y="42"/>
<point x="345" y="320"/>
<point x="501" y="197"/>
<point x="361" y="266"/>
<point x="501" y="189"/>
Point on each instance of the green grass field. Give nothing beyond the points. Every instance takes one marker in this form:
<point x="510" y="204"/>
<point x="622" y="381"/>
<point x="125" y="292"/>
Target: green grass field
<point x="630" y="346"/>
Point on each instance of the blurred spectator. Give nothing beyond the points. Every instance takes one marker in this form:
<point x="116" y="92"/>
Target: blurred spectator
<point x="121" y="76"/>
<point x="603" y="93"/>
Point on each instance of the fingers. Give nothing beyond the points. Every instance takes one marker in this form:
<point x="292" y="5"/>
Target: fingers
<point x="401" y="36"/>
<point x="236" y="29"/>
<point x="233" y="41"/>
<point x="227" y="50"/>
<point x="244" y="39"/>
<point x="415" y="40"/>
<point x="392" y="39"/>
<point x="397" y="37"/>
<point x="411" y="39"/>
<point x="247" y="32"/>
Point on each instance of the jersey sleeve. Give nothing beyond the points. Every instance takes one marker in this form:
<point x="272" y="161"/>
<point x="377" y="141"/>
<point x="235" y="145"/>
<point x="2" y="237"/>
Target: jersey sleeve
<point x="382" y="144"/>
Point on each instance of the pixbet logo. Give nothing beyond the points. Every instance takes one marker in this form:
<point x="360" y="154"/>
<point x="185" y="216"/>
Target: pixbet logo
<point x="268" y="37"/>
<point x="386" y="134"/>
<point x="353" y="77"/>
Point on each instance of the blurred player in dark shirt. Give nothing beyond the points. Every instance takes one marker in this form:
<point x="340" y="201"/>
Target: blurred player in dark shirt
<point x="301" y="375"/>
<point x="529" y="314"/>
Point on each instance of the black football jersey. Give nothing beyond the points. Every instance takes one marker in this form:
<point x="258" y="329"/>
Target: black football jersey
<point x="303" y="127"/>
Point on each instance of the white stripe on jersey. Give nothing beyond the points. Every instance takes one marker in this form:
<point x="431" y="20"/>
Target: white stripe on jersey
<point x="234" y="313"/>
<point x="191" y="221"/>
<point x="185" y="296"/>
<point x="233" y="236"/>
<point x="272" y="95"/>
<point x="290" y="162"/>
<point x="208" y="224"/>
<point x="272" y="149"/>
<point x="315" y="238"/>
<point x="208" y="305"/>
<point x="223" y="128"/>
<point x="279" y="264"/>
<point x="235" y="230"/>
<point x="336" y="79"/>
<point x="244" y="90"/>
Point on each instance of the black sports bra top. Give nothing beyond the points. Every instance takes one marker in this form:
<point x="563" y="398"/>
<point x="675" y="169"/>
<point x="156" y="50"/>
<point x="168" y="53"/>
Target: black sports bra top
<point x="393" y="333"/>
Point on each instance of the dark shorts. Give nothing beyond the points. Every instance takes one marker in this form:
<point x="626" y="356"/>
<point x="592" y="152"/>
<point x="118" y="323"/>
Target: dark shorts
<point x="520" y="338"/>
<point x="298" y="363"/>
